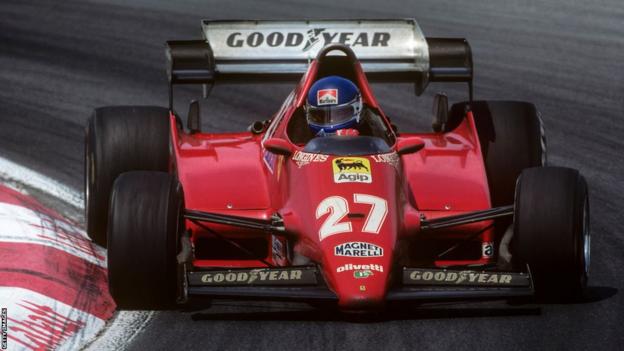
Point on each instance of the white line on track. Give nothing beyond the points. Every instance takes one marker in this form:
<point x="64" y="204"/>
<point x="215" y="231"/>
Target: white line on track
<point x="121" y="331"/>
<point x="126" y="324"/>
<point x="14" y="172"/>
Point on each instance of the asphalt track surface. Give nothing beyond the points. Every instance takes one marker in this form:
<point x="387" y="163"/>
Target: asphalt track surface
<point x="59" y="60"/>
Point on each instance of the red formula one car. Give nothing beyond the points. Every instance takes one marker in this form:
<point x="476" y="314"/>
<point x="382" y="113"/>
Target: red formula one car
<point x="280" y="212"/>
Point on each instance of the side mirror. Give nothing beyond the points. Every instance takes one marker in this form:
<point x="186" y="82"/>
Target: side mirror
<point x="440" y="112"/>
<point x="278" y="146"/>
<point x="409" y="145"/>
<point x="193" y="121"/>
<point x="258" y="127"/>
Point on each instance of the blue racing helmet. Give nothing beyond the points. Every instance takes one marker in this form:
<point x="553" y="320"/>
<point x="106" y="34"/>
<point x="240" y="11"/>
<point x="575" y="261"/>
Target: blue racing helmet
<point x="333" y="103"/>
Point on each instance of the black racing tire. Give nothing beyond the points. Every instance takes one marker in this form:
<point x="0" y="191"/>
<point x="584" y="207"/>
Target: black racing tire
<point x="120" y="139"/>
<point x="144" y="228"/>
<point x="512" y="138"/>
<point x="551" y="231"/>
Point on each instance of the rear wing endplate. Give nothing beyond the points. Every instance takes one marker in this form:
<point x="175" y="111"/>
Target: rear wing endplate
<point x="260" y="51"/>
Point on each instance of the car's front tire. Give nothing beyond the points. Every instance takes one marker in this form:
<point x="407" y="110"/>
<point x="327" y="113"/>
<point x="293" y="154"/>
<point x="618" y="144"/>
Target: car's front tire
<point x="120" y="139"/>
<point x="551" y="231"/>
<point x="145" y="223"/>
<point x="512" y="138"/>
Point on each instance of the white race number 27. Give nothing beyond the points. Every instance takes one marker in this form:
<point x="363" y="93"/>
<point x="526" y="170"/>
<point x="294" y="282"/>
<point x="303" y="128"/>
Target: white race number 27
<point x="338" y="208"/>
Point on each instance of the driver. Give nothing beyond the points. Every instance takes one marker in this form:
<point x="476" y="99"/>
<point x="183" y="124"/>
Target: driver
<point x="333" y="107"/>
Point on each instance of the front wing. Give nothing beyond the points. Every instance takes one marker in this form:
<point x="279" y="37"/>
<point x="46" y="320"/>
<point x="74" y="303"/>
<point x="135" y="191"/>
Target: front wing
<point x="305" y="284"/>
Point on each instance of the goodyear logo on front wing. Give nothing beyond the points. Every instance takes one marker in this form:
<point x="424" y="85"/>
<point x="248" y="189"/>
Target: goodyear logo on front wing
<point x="255" y="276"/>
<point x="352" y="170"/>
<point x="430" y="276"/>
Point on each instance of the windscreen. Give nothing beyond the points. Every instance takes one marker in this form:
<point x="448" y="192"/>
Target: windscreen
<point x="347" y="145"/>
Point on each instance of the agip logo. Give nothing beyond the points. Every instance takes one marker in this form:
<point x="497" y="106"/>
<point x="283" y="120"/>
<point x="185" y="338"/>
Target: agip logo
<point x="352" y="170"/>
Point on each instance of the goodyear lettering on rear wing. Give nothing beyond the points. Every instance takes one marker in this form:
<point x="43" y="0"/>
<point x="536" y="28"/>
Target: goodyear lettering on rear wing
<point x="253" y="277"/>
<point x="426" y="276"/>
<point x="287" y="46"/>
<point x="312" y="37"/>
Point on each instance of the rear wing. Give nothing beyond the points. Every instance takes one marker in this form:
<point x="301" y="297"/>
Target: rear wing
<point x="260" y="51"/>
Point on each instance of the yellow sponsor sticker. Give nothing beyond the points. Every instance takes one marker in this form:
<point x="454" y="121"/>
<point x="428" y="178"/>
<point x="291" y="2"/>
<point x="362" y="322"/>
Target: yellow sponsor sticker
<point x="352" y="170"/>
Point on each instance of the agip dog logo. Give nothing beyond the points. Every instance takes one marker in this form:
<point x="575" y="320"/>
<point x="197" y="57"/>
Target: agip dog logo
<point x="352" y="170"/>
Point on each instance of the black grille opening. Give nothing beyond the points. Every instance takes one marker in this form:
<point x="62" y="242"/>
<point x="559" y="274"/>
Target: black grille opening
<point x="218" y="249"/>
<point x="423" y="249"/>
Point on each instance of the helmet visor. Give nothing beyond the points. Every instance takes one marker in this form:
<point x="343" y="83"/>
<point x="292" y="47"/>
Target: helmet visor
<point x="332" y="115"/>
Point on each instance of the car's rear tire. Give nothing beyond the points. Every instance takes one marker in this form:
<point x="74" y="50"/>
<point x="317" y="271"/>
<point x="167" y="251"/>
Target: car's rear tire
<point x="512" y="139"/>
<point x="120" y="139"/>
<point x="144" y="228"/>
<point x="551" y="231"/>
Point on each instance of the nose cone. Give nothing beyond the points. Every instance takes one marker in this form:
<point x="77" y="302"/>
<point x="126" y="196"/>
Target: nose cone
<point x="348" y="217"/>
<point x="358" y="270"/>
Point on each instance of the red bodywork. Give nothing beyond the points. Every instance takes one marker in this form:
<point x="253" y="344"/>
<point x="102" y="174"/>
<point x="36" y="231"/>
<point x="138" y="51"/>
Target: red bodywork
<point x="233" y="174"/>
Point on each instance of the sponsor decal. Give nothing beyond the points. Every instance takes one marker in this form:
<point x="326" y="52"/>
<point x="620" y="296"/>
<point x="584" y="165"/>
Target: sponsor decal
<point x="459" y="277"/>
<point x="359" y="267"/>
<point x="304" y="158"/>
<point x="467" y="277"/>
<point x="260" y="276"/>
<point x="355" y="163"/>
<point x="362" y="274"/>
<point x="352" y="170"/>
<point x="3" y="329"/>
<point x="250" y="277"/>
<point x="272" y="161"/>
<point x="279" y="163"/>
<point x="358" y="249"/>
<point x="391" y="158"/>
<point x="487" y="249"/>
<point x="327" y="97"/>
<point x="278" y="250"/>
<point x="313" y="37"/>
<point x="269" y="160"/>
<point x="348" y="132"/>
<point x="337" y="207"/>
